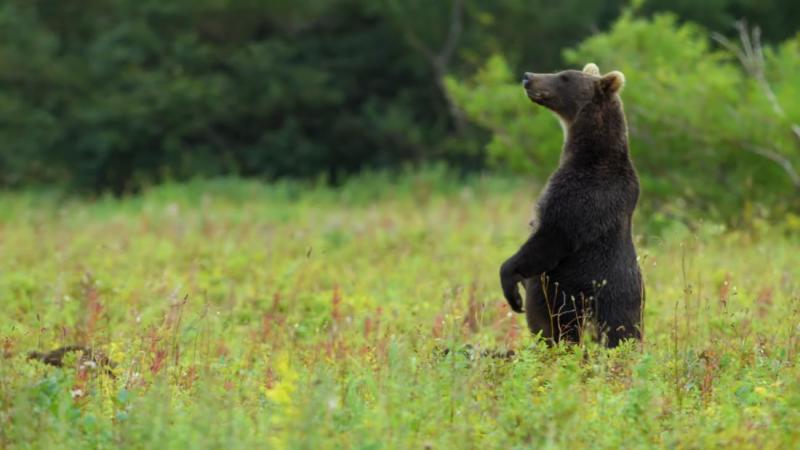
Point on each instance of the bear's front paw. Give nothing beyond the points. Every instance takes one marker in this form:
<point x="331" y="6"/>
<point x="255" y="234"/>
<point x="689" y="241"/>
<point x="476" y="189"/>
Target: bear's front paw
<point x="509" y="280"/>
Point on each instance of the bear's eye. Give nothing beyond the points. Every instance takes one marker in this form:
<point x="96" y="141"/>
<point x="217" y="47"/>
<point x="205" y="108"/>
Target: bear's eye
<point x="564" y="78"/>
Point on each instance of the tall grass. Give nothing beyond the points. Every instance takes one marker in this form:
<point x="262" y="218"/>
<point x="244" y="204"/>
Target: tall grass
<point x="289" y="316"/>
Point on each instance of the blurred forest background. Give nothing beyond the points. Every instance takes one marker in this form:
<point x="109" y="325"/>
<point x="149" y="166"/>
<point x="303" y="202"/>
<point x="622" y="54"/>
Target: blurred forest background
<point x="115" y="95"/>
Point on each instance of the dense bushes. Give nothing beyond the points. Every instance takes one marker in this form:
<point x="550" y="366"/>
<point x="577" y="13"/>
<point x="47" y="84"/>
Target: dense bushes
<point x="117" y="94"/>
<point x="144" y="91"/>
<point x="702" y="128"/>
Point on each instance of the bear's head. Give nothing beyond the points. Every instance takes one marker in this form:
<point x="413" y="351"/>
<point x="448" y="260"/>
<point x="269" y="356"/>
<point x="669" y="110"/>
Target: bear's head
<point x="566" y="93"/>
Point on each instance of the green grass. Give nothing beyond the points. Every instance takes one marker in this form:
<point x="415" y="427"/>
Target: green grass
<point x="245" y="316"/>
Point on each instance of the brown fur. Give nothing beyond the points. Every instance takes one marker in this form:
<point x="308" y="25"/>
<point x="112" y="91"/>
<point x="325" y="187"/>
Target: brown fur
<point x="579" y="266"/>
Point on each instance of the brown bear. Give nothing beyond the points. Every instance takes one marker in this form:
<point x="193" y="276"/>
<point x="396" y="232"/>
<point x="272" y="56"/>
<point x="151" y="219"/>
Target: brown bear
<point x="579" y="265"/>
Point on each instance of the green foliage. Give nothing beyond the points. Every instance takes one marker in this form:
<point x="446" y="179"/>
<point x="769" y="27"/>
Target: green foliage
<point x="117" y="95"/>
<point x="532" y="33"/>
<point x="698" y="123"/>
<point x="494" y="102"/>
<point x="285" y="316"/>
<point x="778" y="19"/>
<point x="127" y="93"/>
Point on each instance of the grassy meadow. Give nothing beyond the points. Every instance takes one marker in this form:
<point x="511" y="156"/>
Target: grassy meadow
<point x="241" y="315"/>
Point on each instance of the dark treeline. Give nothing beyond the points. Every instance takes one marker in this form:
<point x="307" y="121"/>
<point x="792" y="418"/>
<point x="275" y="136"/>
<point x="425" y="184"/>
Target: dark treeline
<point x="116" y="94"/>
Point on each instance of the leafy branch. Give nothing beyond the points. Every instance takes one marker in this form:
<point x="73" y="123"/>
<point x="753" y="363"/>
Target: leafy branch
<point x="750" y="54"/>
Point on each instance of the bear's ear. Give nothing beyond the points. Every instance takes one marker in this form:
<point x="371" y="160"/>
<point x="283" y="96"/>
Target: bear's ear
<point x="591" y="69"/>
<point x="612" y="82"/>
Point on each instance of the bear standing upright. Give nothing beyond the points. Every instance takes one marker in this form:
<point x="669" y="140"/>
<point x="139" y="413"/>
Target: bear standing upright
<point x="579" y="265"/>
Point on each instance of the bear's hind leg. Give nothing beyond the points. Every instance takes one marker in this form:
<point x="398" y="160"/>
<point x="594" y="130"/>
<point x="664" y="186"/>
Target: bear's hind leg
<point x="537" y="313"/>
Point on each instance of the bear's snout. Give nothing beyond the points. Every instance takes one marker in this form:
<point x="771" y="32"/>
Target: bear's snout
<point x="527" y="77"/>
